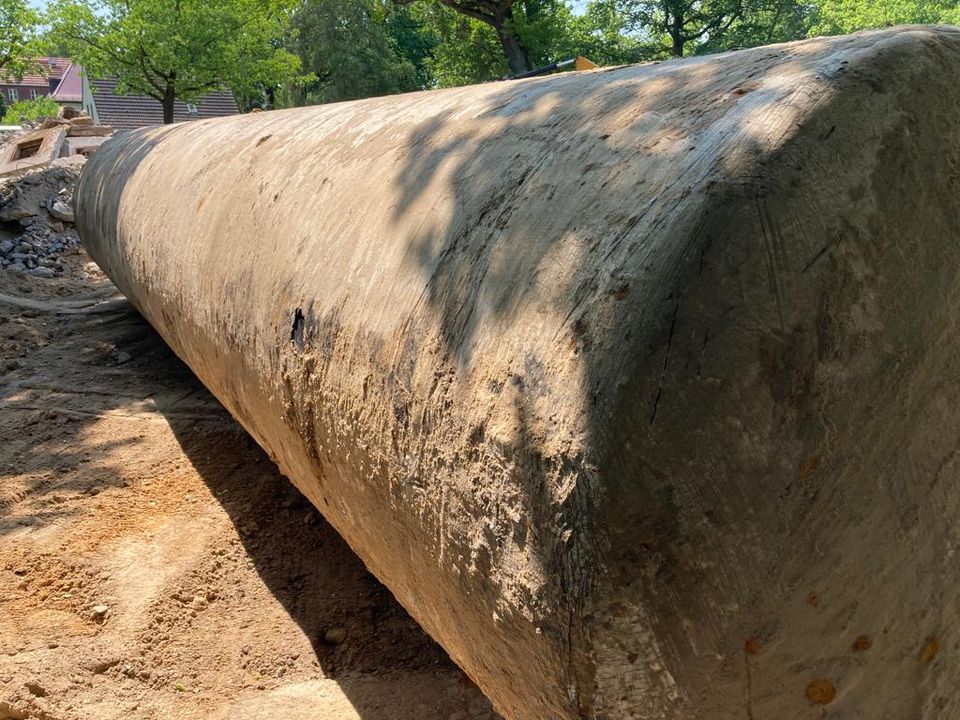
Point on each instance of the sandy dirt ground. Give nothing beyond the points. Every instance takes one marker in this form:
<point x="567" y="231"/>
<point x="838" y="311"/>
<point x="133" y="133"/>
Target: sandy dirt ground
<point x="154" y="563"/>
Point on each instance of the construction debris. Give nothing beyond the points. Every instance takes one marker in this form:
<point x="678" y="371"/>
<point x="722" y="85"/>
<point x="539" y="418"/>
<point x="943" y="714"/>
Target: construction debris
<point x="36" y="220"/>
<point x="38" y="170"/>
<point x="70" y="133"/>
<point x="35" y="148"/>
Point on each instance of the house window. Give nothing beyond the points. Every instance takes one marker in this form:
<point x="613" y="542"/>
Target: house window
<point x="33" y="94"/>
<point x="13" y="94"/>
<point x="191" y="109"/>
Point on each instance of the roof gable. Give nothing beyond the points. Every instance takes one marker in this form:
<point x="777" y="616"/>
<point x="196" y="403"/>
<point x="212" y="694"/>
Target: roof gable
<point x="70" y="88"/>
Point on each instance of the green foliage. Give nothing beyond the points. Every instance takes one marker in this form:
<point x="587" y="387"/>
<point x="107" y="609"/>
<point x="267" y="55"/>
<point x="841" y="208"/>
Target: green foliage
<point x="543" y="28"/>
<point x="18" y="23"/>
<point x="467" y="50"/>
<point x="602" y="34"/>
<point x="177" y="48"/>
<point x="527" y="31"/>
<point x="761" y="23"/>
<point x="680" y="24"/>
<point x="413" y="40"/>
<point x="834" y="17"/>
<point x="31" y="110"/>
<point x="357" y="48"/>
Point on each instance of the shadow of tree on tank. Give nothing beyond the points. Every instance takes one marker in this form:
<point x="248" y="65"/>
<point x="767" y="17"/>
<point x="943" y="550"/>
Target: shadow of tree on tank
<point x="529" y="407"/>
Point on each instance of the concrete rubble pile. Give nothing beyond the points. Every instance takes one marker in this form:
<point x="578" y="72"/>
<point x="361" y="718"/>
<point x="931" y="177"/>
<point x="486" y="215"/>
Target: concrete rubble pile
<point x="36" y="221"/>
<point x="39" y="167"/>
<point x="637" y="387"/>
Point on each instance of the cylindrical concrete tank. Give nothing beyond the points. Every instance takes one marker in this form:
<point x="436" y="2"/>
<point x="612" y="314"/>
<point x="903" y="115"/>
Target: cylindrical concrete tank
<point x="638" y="388"/>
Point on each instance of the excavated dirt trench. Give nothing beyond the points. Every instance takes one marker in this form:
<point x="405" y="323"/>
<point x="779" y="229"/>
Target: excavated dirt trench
<point x="154" y="563"/>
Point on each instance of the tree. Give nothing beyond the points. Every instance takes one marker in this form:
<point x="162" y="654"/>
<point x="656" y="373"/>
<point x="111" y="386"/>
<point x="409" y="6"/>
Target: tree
<point x="467" y="50"/>
<point x="413" y="40"/>
<point x="17" y="24"/>
<point x="348" y="49"/>
<point x="514" y="23"/>
<point x="684" y="21"/>
<point x="763" y="22"/>
<point x="177" y="49"/>
<point x="832" y="17"/>
<point x="602" y="34"/>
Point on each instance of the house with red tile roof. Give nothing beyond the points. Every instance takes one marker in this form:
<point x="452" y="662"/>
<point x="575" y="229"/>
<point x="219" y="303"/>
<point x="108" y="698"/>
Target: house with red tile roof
<point x="43" y="81"/>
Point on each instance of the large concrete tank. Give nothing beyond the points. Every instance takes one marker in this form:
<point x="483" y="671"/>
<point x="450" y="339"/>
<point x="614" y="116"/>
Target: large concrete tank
<point x="638" y="388"/>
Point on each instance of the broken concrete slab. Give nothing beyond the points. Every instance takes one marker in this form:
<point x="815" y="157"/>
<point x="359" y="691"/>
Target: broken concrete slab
<point x="36" y="148"/>
<point x="89" y="130"/>
<point x="51" y="123"/>
<point x="61" y="211"/>
<point x="637" y="387"/>
<point x="82" y="145"/>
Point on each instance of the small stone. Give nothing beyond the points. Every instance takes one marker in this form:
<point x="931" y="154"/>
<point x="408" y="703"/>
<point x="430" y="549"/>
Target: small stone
<point x="61" y="211"/>
<point x="123" y="357"/>
<point x="100" y="666"/>
<point x="6" y="246"/>
<point x="862" y="643"/>
<point x="335" y="636"/>
<point x="35" y="689"/>
<point x="99" y="612"/>
<point x="43" y="272"/>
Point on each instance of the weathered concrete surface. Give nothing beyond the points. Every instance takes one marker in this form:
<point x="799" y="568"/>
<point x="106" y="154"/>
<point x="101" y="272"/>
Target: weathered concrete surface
<point x="638" y="388"/>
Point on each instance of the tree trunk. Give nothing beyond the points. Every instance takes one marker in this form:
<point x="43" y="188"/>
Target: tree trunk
<point x="169" y="97"/>
<point x="676" y="35"/>
<point x="517" y="58"/>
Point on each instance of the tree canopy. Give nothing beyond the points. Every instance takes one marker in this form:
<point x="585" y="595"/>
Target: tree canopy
<point x="329" y="50"/>
<point x="18" y="21"/>
<point x="177" y="49"/>
<point x="835" y="17"/>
